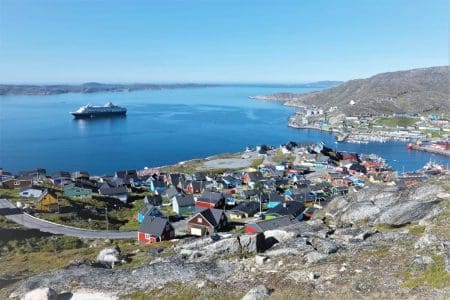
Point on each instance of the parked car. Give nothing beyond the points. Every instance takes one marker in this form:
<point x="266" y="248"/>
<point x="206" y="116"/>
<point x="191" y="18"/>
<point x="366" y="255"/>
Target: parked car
<point x="259" y="215"/>
<point x="230" y="201"/>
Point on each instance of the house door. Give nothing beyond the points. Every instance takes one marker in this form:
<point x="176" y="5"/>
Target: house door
<point x="197" y="231"/>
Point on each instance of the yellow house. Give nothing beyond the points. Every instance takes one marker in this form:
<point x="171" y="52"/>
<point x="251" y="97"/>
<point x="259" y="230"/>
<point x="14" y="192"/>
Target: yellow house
<point x="47" y="202"/>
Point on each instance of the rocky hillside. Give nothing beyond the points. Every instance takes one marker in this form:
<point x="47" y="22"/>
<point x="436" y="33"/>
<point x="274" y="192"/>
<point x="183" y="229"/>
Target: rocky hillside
<point x="417" y="90"/>
<point x="382" y="242"/>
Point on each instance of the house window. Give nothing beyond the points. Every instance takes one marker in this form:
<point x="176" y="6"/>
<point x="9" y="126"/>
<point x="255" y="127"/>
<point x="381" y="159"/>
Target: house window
<point x="147" y="236"/>
<point x="199" y="220"/>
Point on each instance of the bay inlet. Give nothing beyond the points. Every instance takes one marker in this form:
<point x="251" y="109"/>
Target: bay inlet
<point x="162" y="127"/>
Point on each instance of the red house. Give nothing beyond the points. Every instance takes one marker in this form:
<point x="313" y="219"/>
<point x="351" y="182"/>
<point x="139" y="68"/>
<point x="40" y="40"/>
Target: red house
<point x="210" y="200"/>
<point x="155" y="229"/>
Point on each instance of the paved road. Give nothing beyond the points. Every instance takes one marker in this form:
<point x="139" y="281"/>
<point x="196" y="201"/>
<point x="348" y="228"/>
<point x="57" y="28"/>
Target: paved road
<point x="16" y="215"/>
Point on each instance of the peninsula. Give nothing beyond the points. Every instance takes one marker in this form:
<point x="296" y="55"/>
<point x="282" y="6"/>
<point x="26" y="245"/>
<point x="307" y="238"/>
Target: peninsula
<point x="410" y="106"/>
<point x="413" y="91"/>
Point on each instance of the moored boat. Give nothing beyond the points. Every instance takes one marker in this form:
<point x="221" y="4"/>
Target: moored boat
<point x="91" y="111"/>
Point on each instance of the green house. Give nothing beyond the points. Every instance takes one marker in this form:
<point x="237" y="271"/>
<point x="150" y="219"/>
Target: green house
<point x="74" y="191"/>
<point x="271" y="216"/>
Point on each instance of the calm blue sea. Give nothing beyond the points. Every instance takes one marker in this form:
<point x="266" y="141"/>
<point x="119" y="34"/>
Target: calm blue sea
<point x="162" y="127"/>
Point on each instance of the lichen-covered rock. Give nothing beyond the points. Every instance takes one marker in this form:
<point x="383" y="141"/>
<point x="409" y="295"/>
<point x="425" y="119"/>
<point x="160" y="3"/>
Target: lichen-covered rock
<point x="359" y="211"/>
<point x="41" y="294"/>
<point x="309" y="229"/>
<point x="426" y="192"/>
<point x="314" y="257"/>
<point x="427" y="241"/>
<point x="249" y="243"/>
<point x="279" y="235"/>
<point x="256" y="293"/>
<point x="324" y="246"/>
<point x="405" y="212"/>
<point x="336" y="205"/>
<point x="109" y="255"/>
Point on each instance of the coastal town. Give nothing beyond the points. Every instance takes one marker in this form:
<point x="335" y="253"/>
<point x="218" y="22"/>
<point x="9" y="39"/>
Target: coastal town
<point x="260" y="189"/>
<point x="424" y="132"/>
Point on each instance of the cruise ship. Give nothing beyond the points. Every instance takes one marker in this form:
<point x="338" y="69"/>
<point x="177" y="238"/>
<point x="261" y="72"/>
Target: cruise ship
<point x="91" y="111"/>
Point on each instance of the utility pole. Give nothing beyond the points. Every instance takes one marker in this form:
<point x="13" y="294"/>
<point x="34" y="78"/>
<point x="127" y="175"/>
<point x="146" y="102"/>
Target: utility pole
<point x="106" y="217"/>
<point x="260" y="205"/>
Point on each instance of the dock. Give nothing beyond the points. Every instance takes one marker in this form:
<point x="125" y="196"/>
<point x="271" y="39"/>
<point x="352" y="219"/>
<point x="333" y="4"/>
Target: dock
<point x="429" y="149"/>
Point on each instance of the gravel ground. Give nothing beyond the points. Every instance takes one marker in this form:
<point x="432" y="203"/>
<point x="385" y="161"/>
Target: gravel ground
<point x="230" y="163"/>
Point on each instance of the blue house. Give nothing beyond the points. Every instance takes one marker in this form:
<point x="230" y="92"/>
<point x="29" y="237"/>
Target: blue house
<point x="149" y="184"/>
<point x="231" y="181"/>
<point x="149" y="210"/>
<point x="273" y="199"/>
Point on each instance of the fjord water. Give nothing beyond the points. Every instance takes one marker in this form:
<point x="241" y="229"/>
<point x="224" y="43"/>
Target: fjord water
<point x="162" y="127"/>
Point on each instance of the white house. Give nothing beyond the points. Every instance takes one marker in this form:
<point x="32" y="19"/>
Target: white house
<point x="31" y="193"/>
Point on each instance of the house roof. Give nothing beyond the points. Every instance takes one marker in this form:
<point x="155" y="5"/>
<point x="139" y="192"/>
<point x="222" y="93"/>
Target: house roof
<point x="287" y="208"/>
<point x="249" y="193"/>
<point x="279" y="182"/>
<point x="126" y="174"/>
<point x="154" y="226"/>
<point x="198" y="185"/>
<point x="212" y="197"/>
<point x="45" y="193"/>
<point x="200" y="176"/>
<point x="78" y="174"/>
<point x="302" y="197"/>
<point x="272" y="197"/>
<point x="119" y="181"/>
<point x="176" y="178"/>
<point x="155" y="200"/>
<point x="185" y="200"/>
<point x="85" y="183"/>
<point x="249" y="207"/>
<point x="74" y="187"/>
<point x="171" y="191"/>
<point x="358" y="168"/>
<point x="211" y="214"/>
<point x="334" y="175"/>
<point x="31" y="172"/>
<point x="255" y="176"/>
<point x="273" y="224"/>
<point x="148" y="208"/>
<point x="106" y="189"/>
<point x="61" y="174"/>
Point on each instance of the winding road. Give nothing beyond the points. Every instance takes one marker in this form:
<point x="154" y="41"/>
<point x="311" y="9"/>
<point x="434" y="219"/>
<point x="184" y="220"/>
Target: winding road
<point x="16" y="215"/>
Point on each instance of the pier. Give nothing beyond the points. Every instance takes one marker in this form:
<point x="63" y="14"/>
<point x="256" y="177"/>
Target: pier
<point x="429" y="149"/>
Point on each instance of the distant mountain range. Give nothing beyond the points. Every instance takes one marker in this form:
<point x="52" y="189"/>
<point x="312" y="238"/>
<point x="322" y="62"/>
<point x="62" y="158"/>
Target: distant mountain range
<point x="90" y="87"/>
<point x="417" y="90"/>
<point x="94" y="87"/>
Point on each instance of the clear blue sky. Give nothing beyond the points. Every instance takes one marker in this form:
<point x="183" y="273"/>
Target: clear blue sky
<point x="75" y="41"/>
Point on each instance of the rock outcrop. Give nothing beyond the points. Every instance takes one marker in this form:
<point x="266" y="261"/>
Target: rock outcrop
<point x="385" y="205"/>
